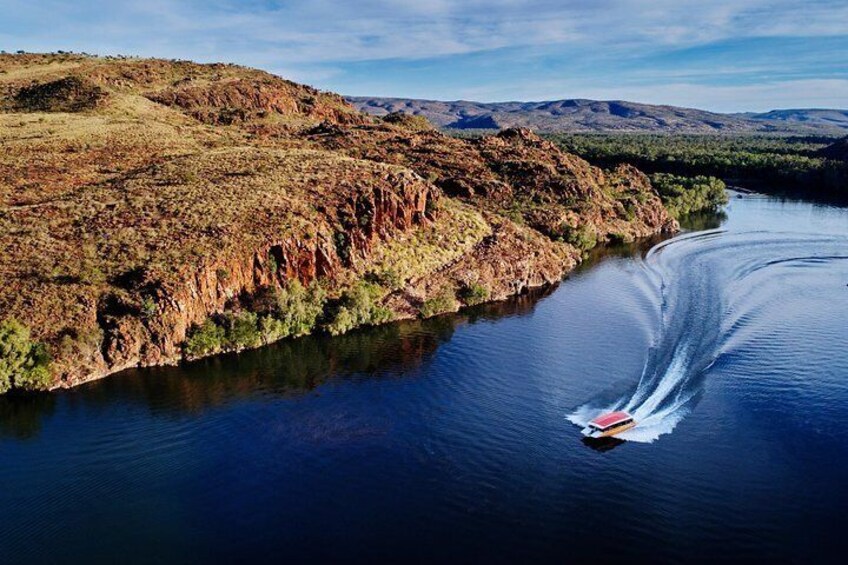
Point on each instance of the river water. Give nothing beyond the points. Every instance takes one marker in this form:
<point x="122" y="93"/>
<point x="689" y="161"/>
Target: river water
<point x="457" y="439"/>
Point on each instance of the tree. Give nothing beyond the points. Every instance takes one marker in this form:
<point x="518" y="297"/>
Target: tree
<point x="23" y="363"/>
<point x="299" y="307"/>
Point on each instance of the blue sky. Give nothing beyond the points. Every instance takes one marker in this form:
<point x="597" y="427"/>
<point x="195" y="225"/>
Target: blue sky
<point x="714" y="54"/>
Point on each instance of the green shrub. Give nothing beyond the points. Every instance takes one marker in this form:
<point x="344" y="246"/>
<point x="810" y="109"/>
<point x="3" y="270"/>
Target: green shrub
<point x="298" y="308"/>
<point x="148" y="308"/>
<point x="616" y="238"/>
<point x="473" y="294"/>
<point x="207" y="338"/>
<point x="24" y="364"/>
<point x="685" y="195"/>
<point x="342" y="243"/>
<point x="292" y="311"/>
<point x="443" y="302"/>
<point x="358" y="306"/>
<point x="242" y="330"/>
<point x="389" y="278"/>
<point x="271" y="329"/>
<point x="581" y="237"/>
<point x="516" y="216"/>
<point x="344" y="319"/>
<point x="380" y="315"/>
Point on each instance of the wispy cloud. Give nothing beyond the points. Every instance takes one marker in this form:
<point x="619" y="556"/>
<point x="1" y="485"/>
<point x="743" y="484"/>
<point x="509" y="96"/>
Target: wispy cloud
<point x="761" y="97"/>
<point x="326" y="41"/>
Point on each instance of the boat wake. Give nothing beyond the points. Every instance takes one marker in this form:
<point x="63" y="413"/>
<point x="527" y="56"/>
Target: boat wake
<point x="708" y="287"/>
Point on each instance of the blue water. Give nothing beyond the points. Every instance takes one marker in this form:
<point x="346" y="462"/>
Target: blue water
<point x="457" y="439"/>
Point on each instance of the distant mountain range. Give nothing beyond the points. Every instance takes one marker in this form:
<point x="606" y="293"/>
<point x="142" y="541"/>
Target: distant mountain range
<point x="580" y="115"/>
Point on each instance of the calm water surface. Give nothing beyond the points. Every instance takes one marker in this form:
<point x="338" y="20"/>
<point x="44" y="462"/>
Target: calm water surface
<point x="457" y="439"/>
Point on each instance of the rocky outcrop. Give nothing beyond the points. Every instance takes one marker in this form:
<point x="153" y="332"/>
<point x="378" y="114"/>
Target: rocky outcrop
<point x="508" y="262"/>
<point x="517" y="174"/>
<point x="68" y="94"/>
<point x="242" y="100"/>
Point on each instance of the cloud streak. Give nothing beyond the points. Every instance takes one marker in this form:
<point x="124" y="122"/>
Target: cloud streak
<point x="815" y="93"/>
<point x="328" y="41"/>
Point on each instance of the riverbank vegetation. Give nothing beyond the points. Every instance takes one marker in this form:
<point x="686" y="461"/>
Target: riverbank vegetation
<point x="686" y="195"/>
<point x="443" y="302"/>
<point x="292" y="311"/>
<point x="24" y="364"/>
<point x="769" y="163"/>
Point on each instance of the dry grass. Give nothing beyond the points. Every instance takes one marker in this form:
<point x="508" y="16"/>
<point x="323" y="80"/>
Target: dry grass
<point x="86" y="197"/>
<point x="416" y="254"/>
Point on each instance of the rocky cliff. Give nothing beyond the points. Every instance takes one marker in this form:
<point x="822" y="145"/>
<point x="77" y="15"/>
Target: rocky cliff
<point x="149" y="208"/>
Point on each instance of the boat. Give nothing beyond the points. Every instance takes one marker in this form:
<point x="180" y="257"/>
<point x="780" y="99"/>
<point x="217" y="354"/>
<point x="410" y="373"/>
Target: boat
<point x="609" y="424"/>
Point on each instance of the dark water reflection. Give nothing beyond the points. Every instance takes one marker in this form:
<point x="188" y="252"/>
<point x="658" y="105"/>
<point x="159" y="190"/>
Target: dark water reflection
<point x="603" y="444"/>
<point x="20" y="417"/>
<point x="289" y="368"/>
<point x="706" y="220"/>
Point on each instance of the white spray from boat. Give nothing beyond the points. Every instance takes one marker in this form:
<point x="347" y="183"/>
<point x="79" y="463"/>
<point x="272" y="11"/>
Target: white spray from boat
<point x="695" y="277"/>
<point x="669" y="382"/>
<point x="657" y="405"/>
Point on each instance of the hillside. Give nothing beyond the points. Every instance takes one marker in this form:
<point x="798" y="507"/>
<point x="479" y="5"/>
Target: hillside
<point x="153" y="211"/>
<point x="604" y="116"/>
<point x="817" y="118"/>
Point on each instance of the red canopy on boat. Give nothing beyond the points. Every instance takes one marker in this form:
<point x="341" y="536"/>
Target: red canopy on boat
<point x="606" y="420"/>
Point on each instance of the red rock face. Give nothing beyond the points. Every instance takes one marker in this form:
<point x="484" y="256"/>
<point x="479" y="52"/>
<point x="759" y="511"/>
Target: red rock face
<point x="241" y="100"/>
<point x="514" y="170"/>
<point x="372" y="213"/>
